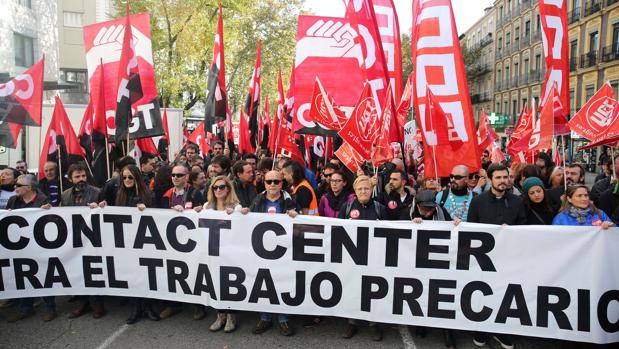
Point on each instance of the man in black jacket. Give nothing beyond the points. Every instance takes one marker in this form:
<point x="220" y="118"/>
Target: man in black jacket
<point x="50" y="185"/>
<point x="397" y="198"/>
<point x="605" y="184"/>
<point x="243" y="182"/>
<point x="497" y="206"/>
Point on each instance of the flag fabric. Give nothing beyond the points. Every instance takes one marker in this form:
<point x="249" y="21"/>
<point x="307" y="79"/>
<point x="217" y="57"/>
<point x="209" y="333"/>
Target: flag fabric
<point x="252" y="102"/>
<point x="610" y="134"/>
<point x="360" y="129"/>
<point x="542" y="136"/>
<point x="129" y="84"/>
<point x="60" y="137"/>
<point x="245" y="145"/>
<point x="382" y="151"/>
<point x="485" y="132"/>
<point x="216" y="106"/>
<point x="286" y="145"/>
<point x="9" y="133"/>
<point x="281" y="102"/>
<point x="325" y="112"/>
<point x="523" y="130"/>
<point x="363" y="18"/>
<point x="387" y="21"/>
<point x="142" y="147"/>
<point x="403" y="107"/>
<point x="496" y="155"/>
<point x="435" y="36"/>
<point x="349" y="157"/>
<point x="265" y="125"/>
<point x="553" y="16"/>
<point x="99" y="132"/>
<point x="596" y="114"/>
<point x="200" y="137"/>
<point x="85" y="133"/>
<point x="22" y="97"/>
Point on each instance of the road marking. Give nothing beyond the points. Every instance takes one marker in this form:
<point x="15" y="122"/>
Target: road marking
<point x="109" y="340"/>
<point x="407" y="338"/>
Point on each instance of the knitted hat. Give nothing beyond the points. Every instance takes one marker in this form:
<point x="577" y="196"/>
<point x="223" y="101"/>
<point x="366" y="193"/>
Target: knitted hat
<point x="530" y="183"/>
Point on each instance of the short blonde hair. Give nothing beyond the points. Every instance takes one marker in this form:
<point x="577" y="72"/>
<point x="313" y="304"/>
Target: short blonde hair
<point x="360" y="180"/>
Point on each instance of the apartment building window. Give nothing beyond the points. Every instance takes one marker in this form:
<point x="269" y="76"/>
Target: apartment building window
<point x="498" y="107"/>
<point x="572" y="101"/>
<point x="72" y="19"/>
<point x="507" y="75"/>
<point x="500" y="44"/>
<point x="517" y="36"/>
<point x="573" y="54"/>
<point x="78" y="77"/>
<point x="538" y="25"/>
<point x="589" y="91"/>
<point x="593" y="41"/>
<point x="527" y="28"/>
<point x="514" y="107"/>
<point x="538" y="62"/>
<point x="24" y="50"/>
<point x="576" y="5"/>
<point x="524" y="101"/>
<point x="498" y="76"/>
<point x="505" y="108"/>
<point x="507" y="39"/>
<point x="615" y="85"/>
<point x="25" y="3"/>
<point x="615" y="37"/>
<point x="526" y="65"/>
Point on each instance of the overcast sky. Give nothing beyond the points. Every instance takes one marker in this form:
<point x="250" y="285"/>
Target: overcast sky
<point x="467" y="12"/>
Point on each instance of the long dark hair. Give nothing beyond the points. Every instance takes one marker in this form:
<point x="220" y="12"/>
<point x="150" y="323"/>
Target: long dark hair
<point x="163" y="179"/>
<point x="141" y="191"/>
<point x="569" y="192"/>
<point x="545" y="204"/>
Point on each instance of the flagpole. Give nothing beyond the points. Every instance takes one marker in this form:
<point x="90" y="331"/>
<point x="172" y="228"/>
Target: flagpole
<point x="612" y="155"/>
<point x="107" y="159"/>
<point x="279" y="128"/>
<point x="59" y="167"/>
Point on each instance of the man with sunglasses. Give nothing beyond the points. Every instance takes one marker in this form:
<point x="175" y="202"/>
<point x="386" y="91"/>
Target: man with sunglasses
<point x="182" y="197"/>
<point x="456" y="199"/>
<point x="273" y="201"/>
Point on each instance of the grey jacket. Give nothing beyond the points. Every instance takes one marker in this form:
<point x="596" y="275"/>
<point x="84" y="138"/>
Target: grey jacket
<point x="91" y="194"/>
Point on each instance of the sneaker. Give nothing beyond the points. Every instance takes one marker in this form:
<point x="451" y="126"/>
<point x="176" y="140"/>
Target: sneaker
<point x="377" y="333"/>
<point x="262" y="327"/>
<point x="199" y="312"/>
<point x="504" y="340"/>
<point x="350" y="332"/>
<point x="219" y="322"/>
<point x="20" y="316"/>
<point x="230" y="323"/>
<point x="169" y="312"/>
<point x="49" y="316"/>
<point x="285" y="329"/>
<point x="479" y="339"/>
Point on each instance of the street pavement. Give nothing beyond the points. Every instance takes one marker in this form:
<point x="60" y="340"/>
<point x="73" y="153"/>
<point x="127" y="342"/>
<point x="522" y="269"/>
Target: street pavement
<point x="181" y="331"/>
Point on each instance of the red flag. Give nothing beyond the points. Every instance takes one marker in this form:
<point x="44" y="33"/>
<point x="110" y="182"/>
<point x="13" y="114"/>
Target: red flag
<point x="200" y="138"/>
<point x="524" y="128"/>
<point x="142" y="147"/>
<point x="403" y="107"/>
<point x="382" y="151"/>
<point x="287" y="147"/>
<point x="437" y="120"/>
<point x="129" y="84"/>
<point x="596" y="114"/>
<point x="60" y="135"/>
<point x="85" y="133"/>
<point x="439" y="65"/>
<point x="389" y="28"/>
<point x="216" y="106"/>
<point x="349" y="157"/>
<point x="496" y="155"/>
<point x="324" y="111"/>
<point x="557" y="157"/>
<point x="185" y="135"/>
<point x="253" y="98"/>
<point x="485" y="132"/>
<point x="278" y="114"/>
<point x="362" y="16"/>
<point x="166" y="135"/>
<point x="553" y="15"/>
<point x="542" y="135"/>
<point x="360" y="129"/>
<point x="22" y="98"/>
<point x="608" y="135"/>
<point x="245" y="145"/>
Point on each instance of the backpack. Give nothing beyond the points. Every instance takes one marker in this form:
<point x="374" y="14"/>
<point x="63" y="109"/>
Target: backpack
<point x="349" y="207"/>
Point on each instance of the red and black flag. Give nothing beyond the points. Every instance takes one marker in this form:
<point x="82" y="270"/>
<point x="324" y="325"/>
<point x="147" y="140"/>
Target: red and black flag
<point x="265" y="125"/>
<point x="9" y="134"/>
<point x="252" y="102"/>
<point x="129" y="84"/>
<point x="142" y="147"/>
<point x="164" y="141"/>
<point x="21" y="99"/>
<point x="60" y="139"/>
<point x="85" y="133"/>
<point x="216" y="107"/>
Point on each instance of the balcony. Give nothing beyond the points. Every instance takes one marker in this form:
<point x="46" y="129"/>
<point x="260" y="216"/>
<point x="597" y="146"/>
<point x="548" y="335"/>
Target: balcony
<point x="516" y="46"/>
<point x="574" y="16"/>
<point x="526" y="4"/>
<point x="592" y="7"/>
<point x="573" y="64"/>
<point x="537" y="36"/>
<point x="499" y="53"/>
<point x="507" y="50"/>
<point x="515" y="81"/>
<point x="610" y="53"/>
<point x="487" y="40"/>
<point x="485" y="97"/>
<point x="526" y="40"/>
<point x="498" y="86"/>
<point x="611" y="2"/>
<point x="536" y="75"/>
<point x="588" y="59"/>
<point x="524" y="78"/>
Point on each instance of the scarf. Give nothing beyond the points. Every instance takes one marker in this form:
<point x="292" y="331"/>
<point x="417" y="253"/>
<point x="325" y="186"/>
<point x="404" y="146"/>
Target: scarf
<point x="336" y="202"/>
<point x="579" y="213"/>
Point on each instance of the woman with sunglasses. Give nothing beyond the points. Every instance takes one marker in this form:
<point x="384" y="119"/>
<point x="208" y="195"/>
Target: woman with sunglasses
<point x="577" y="209"/>
<point x="133" y="192"/>
<point x="221" y="197"/>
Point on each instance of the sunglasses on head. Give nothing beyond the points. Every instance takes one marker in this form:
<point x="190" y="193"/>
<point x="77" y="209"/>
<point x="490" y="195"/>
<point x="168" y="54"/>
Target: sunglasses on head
<point x="219" y="187"/>
<point x="456" y="177"/>
<point x="273" y="181"/>
<point x="178" y="175"/>
<point x="128" y="177"/>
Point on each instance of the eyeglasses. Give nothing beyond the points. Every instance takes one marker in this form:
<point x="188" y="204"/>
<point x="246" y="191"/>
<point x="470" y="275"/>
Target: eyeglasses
<point x="219" y="187"/>
<point x="273" y="181"/>
<point x="336" y="180"/>
<point x="456" y="177"/>
<point x="128" y="177"/>
<point x="474" y="176"/>
<point x="18" y="185"/>
<point x="178" y="175"/>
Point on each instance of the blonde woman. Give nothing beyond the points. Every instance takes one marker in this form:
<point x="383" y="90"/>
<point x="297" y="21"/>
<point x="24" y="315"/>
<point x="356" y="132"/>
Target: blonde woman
<point x="221" y="197"/>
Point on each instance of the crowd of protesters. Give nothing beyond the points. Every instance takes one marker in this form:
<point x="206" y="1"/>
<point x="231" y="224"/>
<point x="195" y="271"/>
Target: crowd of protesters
<point x="537" y="194"/>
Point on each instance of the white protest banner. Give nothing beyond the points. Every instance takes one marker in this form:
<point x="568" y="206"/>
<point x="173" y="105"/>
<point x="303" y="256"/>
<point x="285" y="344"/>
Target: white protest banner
<point x="557" y="282"/>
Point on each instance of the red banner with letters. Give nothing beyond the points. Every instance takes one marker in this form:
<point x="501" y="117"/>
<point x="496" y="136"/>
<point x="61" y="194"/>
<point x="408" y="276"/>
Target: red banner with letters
<point x="596" y="114"/>
<point x="553" y="16"/>
<point x="439" y="67"/>
<point x="389" y="29"/>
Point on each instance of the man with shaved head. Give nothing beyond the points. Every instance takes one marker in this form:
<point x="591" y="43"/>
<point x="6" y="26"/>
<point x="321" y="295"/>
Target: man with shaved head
<point x="457" y="197"/>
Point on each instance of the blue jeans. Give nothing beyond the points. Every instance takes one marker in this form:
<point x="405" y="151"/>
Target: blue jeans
<point x="268" y="316"/>
<point x="26" y="304"/>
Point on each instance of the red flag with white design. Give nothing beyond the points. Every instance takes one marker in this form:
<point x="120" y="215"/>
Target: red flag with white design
<point x="21" y="99"/>
<point x="349" y="157"/>
<point x="439" y="67"/>
<point x="281" y="100"/>
<point x="324" y="111"/>
<point x="142" y="147"/>
<point x="252" y="101"/>
<point x="406" y="102"/>
<point x="389" y="29"/>
<point x="596" y="114"/>
<point x="496" y="155"/>
<point x="485" y="132"/>
<point x="360" y="129"/>
<point x="553" y="16"/>
<point x="8" y="134"/>
<point x="60" y="136"/>
<point x="286" y="145"/>
<point x="610" y="134"/>
<point x="85" y="133"/>
<point x="244" y="136"/>
<point x="200" y="138"/>
<point x="382" y="151"/>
